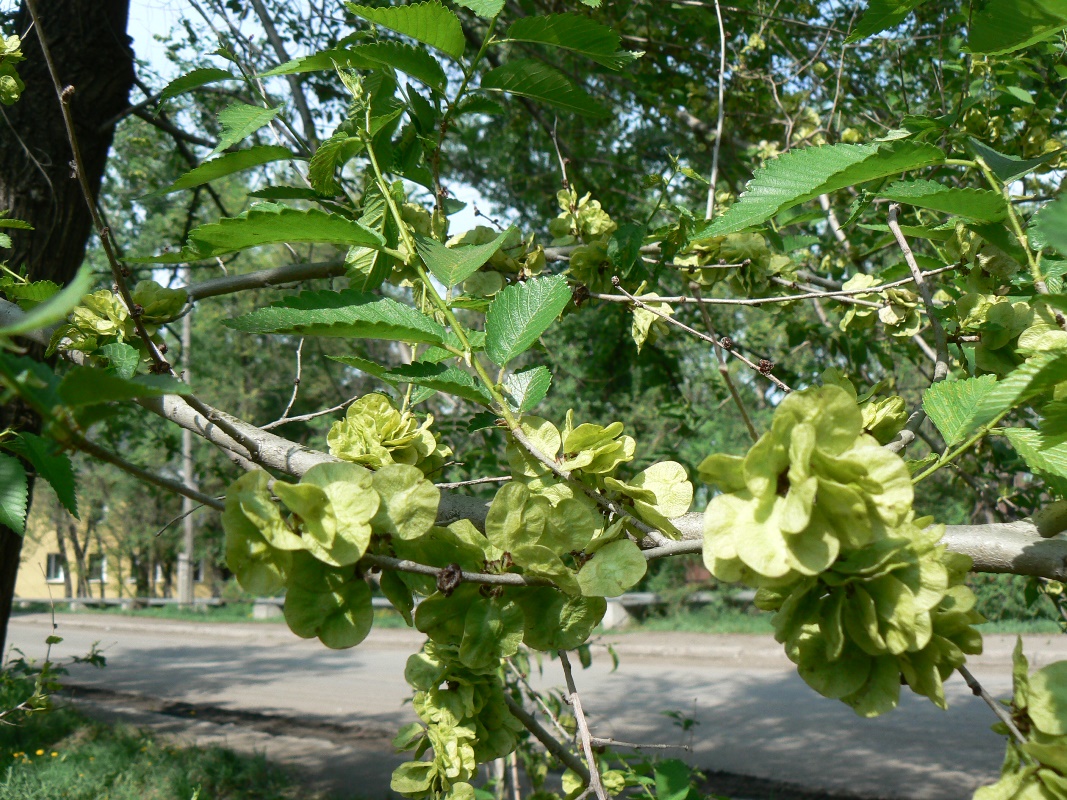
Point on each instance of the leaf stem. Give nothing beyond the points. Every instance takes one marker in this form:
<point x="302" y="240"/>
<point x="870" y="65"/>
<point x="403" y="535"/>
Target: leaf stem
<point x="1016" y="226"/>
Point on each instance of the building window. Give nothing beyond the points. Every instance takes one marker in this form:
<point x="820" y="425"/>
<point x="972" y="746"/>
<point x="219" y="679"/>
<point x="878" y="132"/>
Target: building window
<point x="97" y="572"/>
<point x="198" y="571"/>
<point x="54" y="568"/>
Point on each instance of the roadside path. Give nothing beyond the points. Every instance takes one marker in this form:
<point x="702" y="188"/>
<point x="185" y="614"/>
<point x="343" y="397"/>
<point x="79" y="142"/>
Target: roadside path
<point x="332" y="713"/>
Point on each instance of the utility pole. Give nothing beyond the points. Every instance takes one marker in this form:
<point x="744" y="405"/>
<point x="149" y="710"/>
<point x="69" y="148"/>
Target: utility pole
<point x="185" y="557"/>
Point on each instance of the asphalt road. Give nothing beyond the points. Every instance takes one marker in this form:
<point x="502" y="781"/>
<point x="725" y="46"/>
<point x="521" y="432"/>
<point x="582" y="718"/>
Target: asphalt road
<point x="756" y="717"/>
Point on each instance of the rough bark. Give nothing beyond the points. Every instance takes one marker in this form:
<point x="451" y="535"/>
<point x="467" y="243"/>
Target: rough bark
<point x="93" y="54"/>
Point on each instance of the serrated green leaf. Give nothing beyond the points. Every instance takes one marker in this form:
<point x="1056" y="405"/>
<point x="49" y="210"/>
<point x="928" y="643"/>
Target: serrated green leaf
<point x="406" y="58"/>
<point x="1007" y="168"/>
<point x="336" y="150"/>
<point x="55" y="308"/>
<point x="524" y="390"/>
<point x="953" y="405"/>
<point x="267" y="224"/>
<point x="28" y="295"/>
<point x="193" y="80"/>
<point x="801" y="175"/>
<point x="982" y="205"/>
<point x="430" y="23"/>
<point x="520" y="313"/>
<point x="1002" y="26"/>
<point x="122" y="358"/>
<point x="19" y="224"/>
<point x="366" y="267"/>
<point x="528" y="78"/>
<point x="1044" y="461"/>
<point x="86" y="386"/>
<point x="880" y="15"/>
<point x="483" y="8"/>
<point x="50" y="463"/>
<point x="438" y="377"/>
<point x="348" y="314"/>
<point x="226" y="165"/>
<point x="573" y="32"/>
<point x="345" y="58"/>
<point x="1050" y="222"/>
<point x="14" y="494"/>
<point x="239" y="121"/>
<point x="1038" y="374"/>
<point x="453" y="265"/>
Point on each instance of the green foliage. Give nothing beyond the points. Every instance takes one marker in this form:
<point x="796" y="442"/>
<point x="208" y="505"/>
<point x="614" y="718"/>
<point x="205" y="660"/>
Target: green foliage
<point x="804" y="174"/>
<point x="265" y="224"/>
<point x="227" y="165"/>
<point x="14" y="494"/>
<point x="520" y="314"/>
<point x="11" y="85"/>
<point x="573" y="32"/>
<point x="529" y="78"/>
<point x="239" y="121"/>
<point x="193" y="79"/>
<point x="427" y="22"/>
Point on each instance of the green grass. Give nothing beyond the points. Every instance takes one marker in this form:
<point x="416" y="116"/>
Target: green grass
<point x="716" y="620"/>
<point x="230" y="612"/>
<point x="61" y="754"/>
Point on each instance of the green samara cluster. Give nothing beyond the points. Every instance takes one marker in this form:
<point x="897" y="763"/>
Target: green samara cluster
<point x="564" y="552"/>
<point x="465" y="722"/>
<point x="819" y="518"/>
<point x="1037" y="768"/>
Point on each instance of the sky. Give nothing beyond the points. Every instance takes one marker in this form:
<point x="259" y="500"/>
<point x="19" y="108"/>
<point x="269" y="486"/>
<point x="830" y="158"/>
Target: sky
<point x="150" y="18"/>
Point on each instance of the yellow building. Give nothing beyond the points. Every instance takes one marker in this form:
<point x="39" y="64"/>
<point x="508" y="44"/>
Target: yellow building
<point x="92" y="563"/>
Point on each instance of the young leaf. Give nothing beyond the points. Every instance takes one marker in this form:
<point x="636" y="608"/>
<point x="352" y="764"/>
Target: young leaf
<point x="14" y="494"/>
<point x="240" y="120"/>
<point x="520" y="313"/>
<point x="413" y="61"/>
<point x="1008" y="168"/>
<point x="193" y="80"/>
<point x="1002" y="26"/>
<point x="338" y="149"/>
<point x="483" y="8"/>
<point x="122" y="357"/>
<point x="802" y="175"/>
<point x="880" y="15"/>
<point x="526" y="389"/>
<point x="347" y="314"/>
<point x="368" y="267"/>
<point x="1037" y="375"/>
<point x="1050" y="222"/>
<point x="263" y="224"/>
<point x="226" y="165"/>
<point x="953" y="405"/>
<point x="982" y="205"/>
<point x="86" y="386"/>
<point x="429" y="22"/>
<point x="438" y="377"/>
<point x="528" y="78"/>
<point x="573" y="32"/>
<point x="50" y="463"/>
<point x="345" y="58"/>
<point x="453" y="265"/>
<point x="1042" y="460"/>
<point x="55" y="308"/>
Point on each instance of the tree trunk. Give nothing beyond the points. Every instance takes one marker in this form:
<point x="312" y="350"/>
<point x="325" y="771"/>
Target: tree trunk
<point x="61" y="540"/>
<point x="92" y="53"/>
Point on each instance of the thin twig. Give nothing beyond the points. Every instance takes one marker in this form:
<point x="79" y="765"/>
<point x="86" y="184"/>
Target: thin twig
<point x="177" y="487"/>
<point x="296" y="383"/>
<point x="609" y="742"/>
<point x="724" y="370"/>
<point x="404" y="565"/>
<point x="529" y="721"/>
<point x="475" y="482"/>
<point x="710" y="210"/>
<point x="940" y="340"/>
<point x="583" y="727"/>
<point x="703" y="337"/>
<point x="1002" y="713"/>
